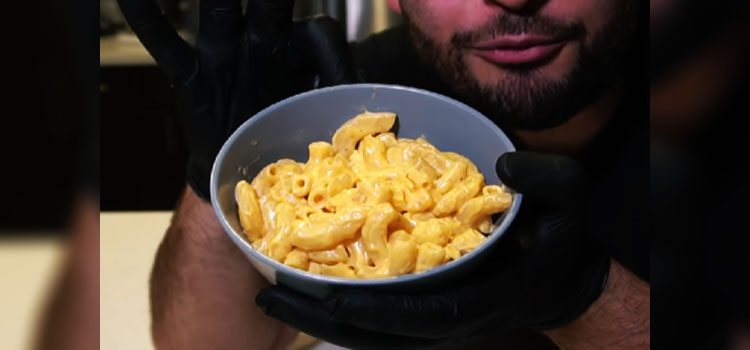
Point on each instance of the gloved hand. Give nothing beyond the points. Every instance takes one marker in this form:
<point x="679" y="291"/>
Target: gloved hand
<point x="241" y="64"/>
<point x="542" y="284"/>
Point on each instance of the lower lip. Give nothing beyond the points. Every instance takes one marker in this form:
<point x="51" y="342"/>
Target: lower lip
<point x="526" y="55"/>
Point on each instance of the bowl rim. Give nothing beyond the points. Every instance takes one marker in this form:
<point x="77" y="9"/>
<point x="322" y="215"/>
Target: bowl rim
<point x="237" y="237"/>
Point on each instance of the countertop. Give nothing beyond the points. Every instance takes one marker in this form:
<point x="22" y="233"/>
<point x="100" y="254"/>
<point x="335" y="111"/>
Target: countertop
<point x="128" y="245"/>
<point x="27" y="270"/>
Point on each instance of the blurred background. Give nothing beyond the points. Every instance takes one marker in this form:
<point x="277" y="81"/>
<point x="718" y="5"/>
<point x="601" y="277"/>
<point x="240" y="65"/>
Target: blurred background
<point x="49" y="173"/>
<point x="700" y="167"/>
<point x="50" y="170"/>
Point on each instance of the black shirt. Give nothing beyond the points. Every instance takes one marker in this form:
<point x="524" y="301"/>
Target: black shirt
<point x="617" y="160"/>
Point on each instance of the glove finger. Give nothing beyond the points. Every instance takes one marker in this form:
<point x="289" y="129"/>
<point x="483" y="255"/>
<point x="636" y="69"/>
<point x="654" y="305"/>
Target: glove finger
<point x="173" y="55"/>
<point x="271" y="18"/>
<point x="220" y="20"/>
<point x="482" y="299"/>
<point x="548" y="179"/>
<point x="322" y="41"/>
<point x="310" y="316"/>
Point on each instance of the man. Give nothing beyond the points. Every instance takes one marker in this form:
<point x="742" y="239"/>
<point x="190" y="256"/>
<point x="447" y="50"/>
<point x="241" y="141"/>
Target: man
<point x="553" y="74"/>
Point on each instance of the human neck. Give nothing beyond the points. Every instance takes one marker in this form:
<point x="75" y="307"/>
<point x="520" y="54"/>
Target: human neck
<point x="574" y="135"/>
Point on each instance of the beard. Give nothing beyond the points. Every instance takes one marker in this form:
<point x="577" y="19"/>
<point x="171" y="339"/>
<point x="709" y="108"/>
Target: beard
<point x="524" y="98"/>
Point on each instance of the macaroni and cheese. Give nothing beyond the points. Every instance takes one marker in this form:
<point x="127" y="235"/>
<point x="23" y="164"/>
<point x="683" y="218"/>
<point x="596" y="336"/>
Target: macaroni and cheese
<point x="368" y="204"/>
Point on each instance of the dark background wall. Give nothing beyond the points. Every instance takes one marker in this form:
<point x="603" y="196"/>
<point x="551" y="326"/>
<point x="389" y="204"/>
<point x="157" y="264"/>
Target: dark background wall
<point x="143" y="162"/>
<point x="49" y="118"/>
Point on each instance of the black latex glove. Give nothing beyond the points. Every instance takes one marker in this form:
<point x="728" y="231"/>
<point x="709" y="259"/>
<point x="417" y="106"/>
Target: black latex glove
<point x="544" y="285"/>
<point x="241" y="64"/>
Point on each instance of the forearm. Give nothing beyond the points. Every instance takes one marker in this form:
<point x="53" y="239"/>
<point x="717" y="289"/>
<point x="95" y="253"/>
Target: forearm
<point x="619" y="319"/>
<point x="202" y="288"/>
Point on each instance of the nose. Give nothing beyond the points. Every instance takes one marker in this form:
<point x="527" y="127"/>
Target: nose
<point x="516" y="5"/>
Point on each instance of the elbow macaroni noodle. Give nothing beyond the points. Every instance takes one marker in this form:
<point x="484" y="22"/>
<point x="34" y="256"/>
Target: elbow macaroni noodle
<point x="369" y="205"/>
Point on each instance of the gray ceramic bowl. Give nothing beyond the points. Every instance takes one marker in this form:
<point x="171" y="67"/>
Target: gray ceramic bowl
<point x="284" y="130"/>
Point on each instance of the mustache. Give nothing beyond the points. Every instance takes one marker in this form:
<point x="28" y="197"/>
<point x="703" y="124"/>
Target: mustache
<point x="512" y="24"/>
